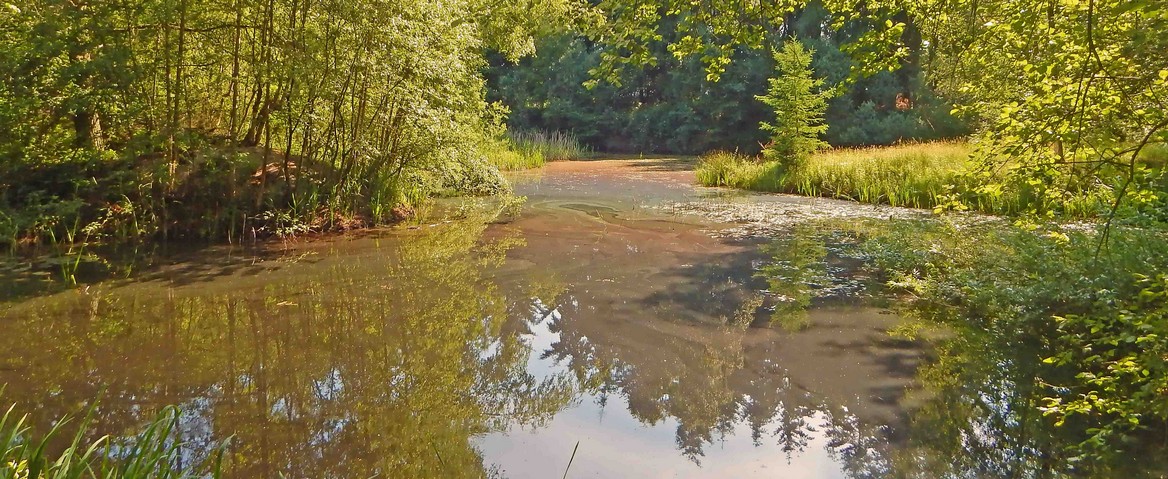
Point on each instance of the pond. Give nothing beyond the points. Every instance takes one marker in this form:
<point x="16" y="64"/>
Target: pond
<point x="618" y="322"/>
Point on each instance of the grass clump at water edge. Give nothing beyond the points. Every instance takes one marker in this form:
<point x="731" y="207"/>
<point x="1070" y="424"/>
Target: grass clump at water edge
<point x="506" y="157"/>
<point x="552" y="146"/>
<point x="526" y="149"/>
<point x="155" y="452"/>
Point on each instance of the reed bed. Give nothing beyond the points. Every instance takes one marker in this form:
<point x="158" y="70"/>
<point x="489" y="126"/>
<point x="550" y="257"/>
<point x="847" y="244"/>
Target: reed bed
<point x="506" y="158"/>
<point x="551" y="146"/>
<point x="905" y="175"/>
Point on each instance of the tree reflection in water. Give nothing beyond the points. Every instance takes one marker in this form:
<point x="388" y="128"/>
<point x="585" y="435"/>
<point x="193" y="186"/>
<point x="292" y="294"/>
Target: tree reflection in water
<point x="392" y="360"/>
<point x="709" y="385"/>
<point x="979" y="413"/>
<point x="970" y="413"/>
<point x="370" y="367"/>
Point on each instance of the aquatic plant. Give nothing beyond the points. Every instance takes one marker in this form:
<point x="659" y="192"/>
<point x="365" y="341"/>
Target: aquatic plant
<point x="155" y="452"/>
<point x="551" y="146"/>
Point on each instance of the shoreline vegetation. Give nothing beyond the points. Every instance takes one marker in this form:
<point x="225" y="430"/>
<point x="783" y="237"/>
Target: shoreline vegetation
<point x="941" y="176"/>
<point x="71" y="450"/>
<point x="528" y="149"/>
<point x="223" y="194"/>
<point x="181" y="120"/>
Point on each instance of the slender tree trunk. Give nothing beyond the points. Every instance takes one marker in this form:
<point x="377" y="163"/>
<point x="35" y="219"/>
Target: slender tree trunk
<point x="234" y="87"/>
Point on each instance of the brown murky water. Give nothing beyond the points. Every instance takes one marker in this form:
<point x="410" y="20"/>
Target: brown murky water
<point x="622" y="320"/>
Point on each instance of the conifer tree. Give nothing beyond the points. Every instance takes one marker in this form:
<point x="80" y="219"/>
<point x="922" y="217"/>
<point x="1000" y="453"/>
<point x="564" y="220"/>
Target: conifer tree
<point x="799" y="102"/>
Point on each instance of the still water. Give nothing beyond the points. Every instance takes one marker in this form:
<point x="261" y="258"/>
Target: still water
<point x="596" y="328"/>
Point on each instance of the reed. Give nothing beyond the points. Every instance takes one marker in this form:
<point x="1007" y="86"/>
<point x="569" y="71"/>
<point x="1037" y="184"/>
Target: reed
<point x="507" y="158"/>
<point x="551" y="146"/>
<point x="907" y="175"/>
<point x="153" y="453"/>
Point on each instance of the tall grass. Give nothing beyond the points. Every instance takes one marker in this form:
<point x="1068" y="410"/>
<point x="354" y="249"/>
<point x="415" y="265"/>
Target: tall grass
<point x="507" y="158"/>
<point x="924" y="175"/>
<point x="552" y="146"/>
<point x="906" y="175"/>
<point x="153" y="453"/>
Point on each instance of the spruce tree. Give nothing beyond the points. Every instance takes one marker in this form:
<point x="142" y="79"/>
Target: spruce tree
<point x="799" y="103"/>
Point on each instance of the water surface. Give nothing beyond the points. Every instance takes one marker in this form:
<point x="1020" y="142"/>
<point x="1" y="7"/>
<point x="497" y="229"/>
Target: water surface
<point x="599" y="319"/>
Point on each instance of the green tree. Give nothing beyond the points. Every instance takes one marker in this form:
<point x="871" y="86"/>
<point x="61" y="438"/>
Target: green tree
<point x="169" y="109"/>
<point x="1067" y="95"/>
<point x="799" y="103"/>
<point x="670" y="106"/>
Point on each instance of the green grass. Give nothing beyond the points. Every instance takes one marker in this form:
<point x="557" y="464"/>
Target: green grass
<point x="507" y="158"/>
<point x="522" y="150"/>
<point x="906" y="175"/>
<point x="1155" y="154"/>
<point x="922" y="175"/>
<point x="153" y="453"/>
<point x="551" y="146"/>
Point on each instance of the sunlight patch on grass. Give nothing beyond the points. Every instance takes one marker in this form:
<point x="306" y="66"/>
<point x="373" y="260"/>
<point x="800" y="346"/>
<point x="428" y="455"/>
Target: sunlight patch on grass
<point x="921" y="175"/>
<point x="913" y="175"/>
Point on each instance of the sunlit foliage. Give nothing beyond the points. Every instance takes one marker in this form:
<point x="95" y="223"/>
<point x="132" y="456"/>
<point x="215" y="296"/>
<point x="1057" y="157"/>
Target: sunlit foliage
<point x="191" y="118"/>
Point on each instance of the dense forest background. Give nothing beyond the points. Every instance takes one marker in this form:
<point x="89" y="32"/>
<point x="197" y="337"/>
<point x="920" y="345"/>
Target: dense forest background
<point x="672" y="106"/>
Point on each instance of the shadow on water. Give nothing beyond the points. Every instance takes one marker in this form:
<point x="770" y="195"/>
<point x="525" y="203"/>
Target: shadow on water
<point x="642" y="163"/>
<point x="667" y="164"/>
<point x="709" y="288"/>
<point x="45" y="272"/>
<point x="40" y="272"/>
